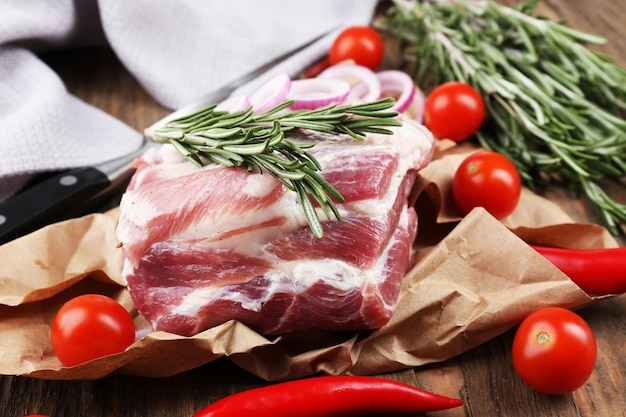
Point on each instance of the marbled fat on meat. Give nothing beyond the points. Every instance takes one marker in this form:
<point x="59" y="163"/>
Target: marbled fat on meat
<point x="205" y="246"/>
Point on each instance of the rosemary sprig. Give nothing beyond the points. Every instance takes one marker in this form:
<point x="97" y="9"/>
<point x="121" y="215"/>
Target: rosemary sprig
<point x="555" y="107"/>
<point x="258" y="142"/>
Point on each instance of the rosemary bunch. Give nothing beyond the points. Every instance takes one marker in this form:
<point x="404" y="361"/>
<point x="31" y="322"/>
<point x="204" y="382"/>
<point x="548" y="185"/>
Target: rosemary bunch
<point x="555" y="107"/>
<point x="258" y="142"/>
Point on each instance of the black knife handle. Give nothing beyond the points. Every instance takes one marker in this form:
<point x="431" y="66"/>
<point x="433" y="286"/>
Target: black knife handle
<point x="47" y="200"/>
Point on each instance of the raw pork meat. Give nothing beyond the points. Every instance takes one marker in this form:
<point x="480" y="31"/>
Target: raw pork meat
<point x="205" y="246"/>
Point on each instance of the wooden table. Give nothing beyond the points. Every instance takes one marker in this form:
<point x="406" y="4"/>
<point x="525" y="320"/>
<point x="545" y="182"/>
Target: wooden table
<point x="483" y="377"/>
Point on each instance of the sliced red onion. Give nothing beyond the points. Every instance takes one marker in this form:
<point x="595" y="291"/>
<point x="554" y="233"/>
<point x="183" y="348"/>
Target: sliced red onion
<point x="271" y="93"/>
<point x="313" y="93"/>
<point x="397" y="84"/>
<point x="364" y="82"/>
<point x="234" y="103"/>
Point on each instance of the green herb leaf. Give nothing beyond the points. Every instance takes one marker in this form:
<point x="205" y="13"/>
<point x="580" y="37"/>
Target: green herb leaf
<point x="555" y="107"/>
<point x="258" y="142"/>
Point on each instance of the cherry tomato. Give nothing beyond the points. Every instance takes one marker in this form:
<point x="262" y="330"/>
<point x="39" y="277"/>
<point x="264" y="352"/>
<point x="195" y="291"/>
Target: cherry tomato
<point x="487" y="179"/>
<point x="90" y="326"/>
<point x="554" y="351"/>
<point x="362" y="44"/>
<point x="454" y="110"/>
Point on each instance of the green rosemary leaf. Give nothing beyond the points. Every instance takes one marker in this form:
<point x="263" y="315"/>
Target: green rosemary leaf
<point x="308" y="125"/>
<point x="224" y="160"/>
<point x="187" y="152"/>
<point x="234" y="119"/>
<point x="556" y="107"/>
<point x="191" y="119"/>
<point x="276" y="169"/>
<point x="346" y="130"/>
<point x="309" y="210"/>
<point x="326" y="186"/>
<point x="248" y="149"/>
<point x="220" y="132"/>
<point x="259" y="142"/>
<point x="274" y="110"/>
<point x="164" y="135"/>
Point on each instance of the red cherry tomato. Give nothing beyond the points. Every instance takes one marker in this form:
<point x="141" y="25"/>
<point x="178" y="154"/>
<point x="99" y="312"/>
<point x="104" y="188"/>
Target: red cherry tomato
<point x="362" y="44"/>
<point x="454" y="110"/>
<point x="487" y="179"/>
<point x="90" y="326"/>
<point x="554" y="351"/>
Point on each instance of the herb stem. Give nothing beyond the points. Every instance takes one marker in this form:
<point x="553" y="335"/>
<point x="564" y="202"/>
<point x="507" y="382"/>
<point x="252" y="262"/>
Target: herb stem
<point x="555" y="107"/>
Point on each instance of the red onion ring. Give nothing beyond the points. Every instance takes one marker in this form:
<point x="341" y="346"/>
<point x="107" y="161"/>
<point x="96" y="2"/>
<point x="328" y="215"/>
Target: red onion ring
<point x="397" y="84"/>
<point x="334" y="85"/>
<point x="313" y="93"/>
<point x="271" y="93"/>
<point x="364" y="82"/>
<point x="234" y="103"/>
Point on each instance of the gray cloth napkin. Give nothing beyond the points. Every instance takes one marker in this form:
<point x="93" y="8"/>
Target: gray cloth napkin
<point x="178" y="50"/>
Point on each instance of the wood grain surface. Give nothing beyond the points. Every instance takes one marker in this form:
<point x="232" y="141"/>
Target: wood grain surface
<point x="483" y="377"/>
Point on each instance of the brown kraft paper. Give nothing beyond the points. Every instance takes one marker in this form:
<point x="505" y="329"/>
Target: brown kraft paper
<point x="475" y="277"/>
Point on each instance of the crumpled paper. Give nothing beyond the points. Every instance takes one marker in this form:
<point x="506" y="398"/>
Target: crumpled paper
<point x="475" y="277"/>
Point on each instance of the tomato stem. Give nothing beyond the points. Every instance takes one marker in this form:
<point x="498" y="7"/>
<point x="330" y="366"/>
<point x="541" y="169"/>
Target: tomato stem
<point x="543" y="337"/>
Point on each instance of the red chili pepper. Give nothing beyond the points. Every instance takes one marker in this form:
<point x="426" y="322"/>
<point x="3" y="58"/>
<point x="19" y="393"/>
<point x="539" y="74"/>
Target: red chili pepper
<point x="595" y="271"/>
<point x="328" y="396"/>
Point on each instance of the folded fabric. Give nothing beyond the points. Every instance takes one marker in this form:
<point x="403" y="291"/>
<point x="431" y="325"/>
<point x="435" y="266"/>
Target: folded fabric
<point x="178" y="50"/>
<point x="43" y="128"/>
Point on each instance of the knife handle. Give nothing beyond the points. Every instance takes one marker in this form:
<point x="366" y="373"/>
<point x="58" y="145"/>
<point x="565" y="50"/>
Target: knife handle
<point x="47" y="201"/>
